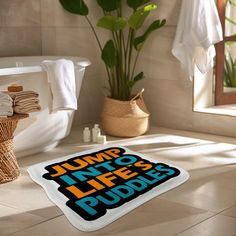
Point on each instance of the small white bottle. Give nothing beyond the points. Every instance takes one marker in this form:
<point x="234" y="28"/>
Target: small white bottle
<point x="95" y="132"/>
<point x="101" y="139"/>
<point x="86" y="135"/>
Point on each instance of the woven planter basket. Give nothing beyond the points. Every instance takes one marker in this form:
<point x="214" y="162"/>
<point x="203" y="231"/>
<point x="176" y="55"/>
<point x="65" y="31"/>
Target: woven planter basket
<point x="125" y="118"/>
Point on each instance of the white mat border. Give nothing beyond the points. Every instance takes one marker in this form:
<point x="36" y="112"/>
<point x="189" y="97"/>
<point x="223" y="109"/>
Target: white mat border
<point x="112" y="214"/>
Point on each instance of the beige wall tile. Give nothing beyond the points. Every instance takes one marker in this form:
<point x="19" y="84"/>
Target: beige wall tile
<point x="20" y="13"/>
<point x="168" y="10"/>
<point x="20" y="41"/>
<point x="159" y="44"/>
<point x="54" y="15"/>
<point x="168" y="91"/>
<point x="156" y="59"/>
<point x="74" y="42"/>
<point x="169" y="102"/>
<point x="214" y="124"/>
<point x="203" y="90"/>
<point x="90" y="100"/>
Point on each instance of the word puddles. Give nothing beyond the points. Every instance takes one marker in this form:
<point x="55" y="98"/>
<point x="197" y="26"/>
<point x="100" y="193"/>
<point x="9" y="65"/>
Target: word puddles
<point x="101" y="185"/>
<point x="106" y="179"/>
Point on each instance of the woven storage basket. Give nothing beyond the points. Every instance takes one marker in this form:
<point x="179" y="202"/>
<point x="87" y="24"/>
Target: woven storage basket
<point x="125" y="118"/>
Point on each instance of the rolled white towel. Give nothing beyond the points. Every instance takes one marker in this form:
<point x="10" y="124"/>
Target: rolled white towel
<point x="6" y="111"/>
<point x="4" y="97"/>
<point x="61" y="78"/>
<point x="6" y="103"/>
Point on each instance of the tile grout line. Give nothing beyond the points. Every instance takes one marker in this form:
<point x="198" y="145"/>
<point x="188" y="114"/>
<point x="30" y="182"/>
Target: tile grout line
<point x="25" y="211"/>
<point x="226" y="210"/>
<point x="197" y="223"/>
<point x="218" y="213"/>
<point x="41" y="28"/>
<point x="34" y="225"/>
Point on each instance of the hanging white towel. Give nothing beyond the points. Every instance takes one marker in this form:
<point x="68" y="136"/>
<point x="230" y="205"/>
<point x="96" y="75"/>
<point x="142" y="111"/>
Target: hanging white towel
<point x="61" y="78"/>
<point x="198" y="29"/>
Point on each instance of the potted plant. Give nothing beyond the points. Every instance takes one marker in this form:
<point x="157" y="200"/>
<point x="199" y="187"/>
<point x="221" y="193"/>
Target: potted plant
<point x="230" y="74"/>
<point x="120" y="55"/>
<point x="229" y="63"/>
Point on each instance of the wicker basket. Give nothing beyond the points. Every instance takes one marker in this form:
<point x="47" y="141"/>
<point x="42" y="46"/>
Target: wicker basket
<point x="125" y="118"/>
<point x="9" y="169"/>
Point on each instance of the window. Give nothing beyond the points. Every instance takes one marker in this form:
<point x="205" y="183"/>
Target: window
<point x="225" y="87"/>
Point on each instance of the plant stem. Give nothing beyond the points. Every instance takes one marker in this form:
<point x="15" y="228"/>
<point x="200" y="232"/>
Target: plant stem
<point x="100" y="47"/>
<point x="135" y="63"/>
<point x="115" y="78"/>
<point x="130" y="52"/>
<point x="122" y="60"/>
<point x="96" y="36"/>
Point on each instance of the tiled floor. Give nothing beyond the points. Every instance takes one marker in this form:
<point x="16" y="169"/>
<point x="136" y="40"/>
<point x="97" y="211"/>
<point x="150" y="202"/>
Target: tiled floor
<point x="205" y="205"/>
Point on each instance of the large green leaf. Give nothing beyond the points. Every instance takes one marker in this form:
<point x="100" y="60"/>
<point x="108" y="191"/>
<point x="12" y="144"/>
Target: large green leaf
<point x="112" y="23"/>
<point x="138" y="77"/>
<point x="230" y="72"/>
<point x="139" y="41"/>
<point x="77" y="7"/>
<point x="137" y="19"/>
<point x="135" y="4"/>
<point x="109" y="54"/>
<point x="109" y="5"/>
<point x="234" y="77"/>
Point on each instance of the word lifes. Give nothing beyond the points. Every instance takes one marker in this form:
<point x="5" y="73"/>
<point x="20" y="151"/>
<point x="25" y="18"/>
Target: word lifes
<point x="96" y="182"/>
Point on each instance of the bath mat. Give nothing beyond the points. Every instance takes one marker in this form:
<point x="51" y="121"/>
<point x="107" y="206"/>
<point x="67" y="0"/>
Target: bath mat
<point x="96" y="187"/>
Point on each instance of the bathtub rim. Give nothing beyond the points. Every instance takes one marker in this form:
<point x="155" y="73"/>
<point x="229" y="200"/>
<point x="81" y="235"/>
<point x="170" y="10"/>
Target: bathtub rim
<point x="79" y="63"/>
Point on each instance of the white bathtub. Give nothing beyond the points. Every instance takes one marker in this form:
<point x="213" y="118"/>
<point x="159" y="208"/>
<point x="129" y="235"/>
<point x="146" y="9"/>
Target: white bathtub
<point x="41" y="131"/>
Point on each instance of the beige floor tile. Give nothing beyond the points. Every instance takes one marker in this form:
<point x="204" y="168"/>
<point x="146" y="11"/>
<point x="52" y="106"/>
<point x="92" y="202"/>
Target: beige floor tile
<point x="211" y="188"/>
<point x="210" y="163"/>
<point x="23" y="194"/>
<point x="185" y="149"/>
<point x="56" y="227"/>
<point x="13" y="220"/>
<point x="157" y="217"/>
<point x="230" y="212"/>
<point x="215" y="226"/>
<point x="211" y="192"/>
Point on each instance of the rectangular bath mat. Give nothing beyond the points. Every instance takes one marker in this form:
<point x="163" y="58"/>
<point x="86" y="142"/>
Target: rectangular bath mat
<point x="96" y="187"/>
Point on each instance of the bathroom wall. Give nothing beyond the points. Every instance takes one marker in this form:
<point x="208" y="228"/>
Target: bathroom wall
<point x="42" y="27"/>
<point x="35" y="27"/>
<point x="169" y="93"/>
<point x="20" y="27"/>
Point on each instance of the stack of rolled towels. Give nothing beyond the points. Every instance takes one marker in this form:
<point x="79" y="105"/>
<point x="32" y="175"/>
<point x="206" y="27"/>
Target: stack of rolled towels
<point x="6" y="105"/>
<point x="25" y="102"/>
<point x="15" y="100"/>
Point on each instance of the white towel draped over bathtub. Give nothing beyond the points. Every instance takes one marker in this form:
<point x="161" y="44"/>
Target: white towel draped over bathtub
<point x="61" y="78"/>
<point x="198" y="29"/>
